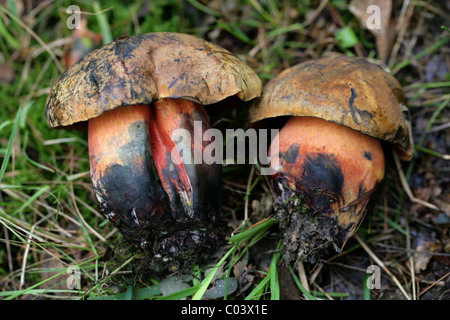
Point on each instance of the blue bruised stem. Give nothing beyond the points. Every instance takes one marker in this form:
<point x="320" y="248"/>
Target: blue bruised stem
<point x="121" y="172"/>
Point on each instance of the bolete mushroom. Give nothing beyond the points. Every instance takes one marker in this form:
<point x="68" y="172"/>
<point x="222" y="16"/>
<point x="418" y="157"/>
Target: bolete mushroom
<point x="134" y="93"/>
<point x="335" y="112"/>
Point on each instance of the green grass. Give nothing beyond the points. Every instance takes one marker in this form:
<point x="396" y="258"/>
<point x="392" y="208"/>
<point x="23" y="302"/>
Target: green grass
<point x="47" y="209"/>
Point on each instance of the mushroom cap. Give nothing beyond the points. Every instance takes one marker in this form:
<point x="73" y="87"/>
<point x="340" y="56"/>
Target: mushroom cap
<point x="146" y="68"/>
<point x="346" y="90"/>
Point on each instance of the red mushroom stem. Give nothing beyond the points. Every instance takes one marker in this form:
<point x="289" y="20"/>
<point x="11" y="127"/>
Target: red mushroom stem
<point x="137" y="181"/>
<point x="191" y="187"/>
<point x="329" y="170"/>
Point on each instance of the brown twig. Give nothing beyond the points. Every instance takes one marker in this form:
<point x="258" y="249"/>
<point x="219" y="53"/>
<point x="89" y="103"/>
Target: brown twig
<point x="249" y="184"/>
<point x="406" y="187"/>
<point x="382" y="265"/>
<point x="433" y="284"/>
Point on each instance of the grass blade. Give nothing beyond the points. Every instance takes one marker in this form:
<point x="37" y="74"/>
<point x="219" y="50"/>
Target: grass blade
<point x="205" y="283"/>
<point x="259" y="288"/>
<point x="103" y="23"/>
<point x="273" y="272"/>
<point x="204" y="8"/>
<point x="299" y="285"/>
<point x="181" y="294"/>
<point x="247" y="234"/>
<point x="10" y="144"/>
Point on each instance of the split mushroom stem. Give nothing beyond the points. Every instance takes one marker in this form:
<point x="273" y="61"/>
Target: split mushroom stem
<point x="121" y="165"/>
<point x="133" y="172"/>
<point x="193" y="188"/>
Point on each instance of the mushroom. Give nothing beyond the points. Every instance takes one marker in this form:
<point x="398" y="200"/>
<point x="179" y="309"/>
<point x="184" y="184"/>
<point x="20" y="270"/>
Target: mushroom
<point x="328" y="159"/>
<point x="134" y="93"/>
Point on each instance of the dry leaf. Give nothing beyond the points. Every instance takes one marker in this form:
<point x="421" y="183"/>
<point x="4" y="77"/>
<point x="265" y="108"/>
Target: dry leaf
<point x="375" y="15"/>
<point x="239" y="269"/>
<point x="421" y="259"/>
<point x="424" y="244"/>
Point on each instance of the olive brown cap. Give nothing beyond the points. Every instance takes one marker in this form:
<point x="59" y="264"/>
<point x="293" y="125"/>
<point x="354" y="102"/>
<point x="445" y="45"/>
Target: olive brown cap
<point x="346" y="90"/>
<point x="146" y="68"/>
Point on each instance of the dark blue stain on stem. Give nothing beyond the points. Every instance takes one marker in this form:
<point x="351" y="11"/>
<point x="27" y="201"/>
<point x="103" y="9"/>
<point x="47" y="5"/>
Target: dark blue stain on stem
<point x="322" y="181"/>
<point x="291" y="153"/>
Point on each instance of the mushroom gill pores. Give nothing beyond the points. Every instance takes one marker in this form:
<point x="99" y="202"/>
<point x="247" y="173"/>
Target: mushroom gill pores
<point x="134" y="93"/>
<point x="329" y="155"/>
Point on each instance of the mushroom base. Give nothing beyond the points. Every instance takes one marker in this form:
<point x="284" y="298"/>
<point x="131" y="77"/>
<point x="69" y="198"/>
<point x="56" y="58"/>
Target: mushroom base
<point x="309" y="237"/>
<point x="169" y="247"/>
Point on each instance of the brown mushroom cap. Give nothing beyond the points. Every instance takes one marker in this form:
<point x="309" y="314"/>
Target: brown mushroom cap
<point x="349" y="91"/>
<point x="146" y="68"/>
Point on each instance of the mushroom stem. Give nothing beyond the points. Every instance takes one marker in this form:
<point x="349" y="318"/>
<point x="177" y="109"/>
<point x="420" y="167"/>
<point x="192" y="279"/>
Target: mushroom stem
<point x="122" y="167"/>
<point x="139" y="180"/>
<point x="193" y="187"/>
<point x="329" y="170"/>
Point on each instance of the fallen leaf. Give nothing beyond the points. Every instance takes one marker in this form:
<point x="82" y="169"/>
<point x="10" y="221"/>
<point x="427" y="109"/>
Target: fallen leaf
<point x="375" y="15"/>
<point x="421" y="259"/>
<point x="424" y="245"/>
<point x="172" y="284"/>
<point x="239" y="269"/>
<point x="218" y="290"/>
